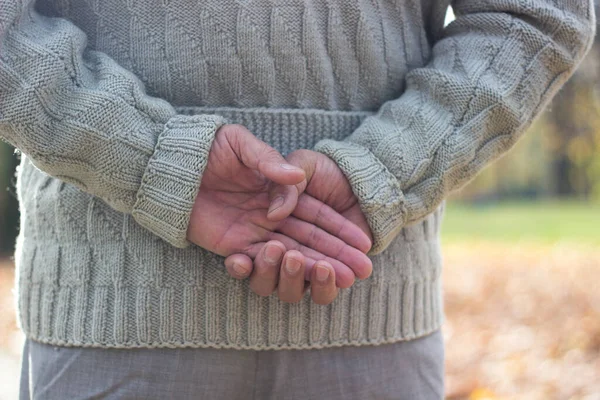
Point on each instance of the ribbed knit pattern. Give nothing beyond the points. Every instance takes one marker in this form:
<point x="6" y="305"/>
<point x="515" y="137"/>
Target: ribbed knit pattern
<point x="115" y="104"/>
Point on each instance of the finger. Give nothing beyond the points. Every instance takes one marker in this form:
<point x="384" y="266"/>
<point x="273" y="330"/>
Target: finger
<point x="265" y="275"/>
<point x="344" y="274"/>
<point x="256" y="248"/>
<point x="239" y="266"/>
<point x="283" y="201"/>
<point x="305" y="159"/>
<point x="291" y="277"/>
<point x="257" y="155"/>
<point x="317" y="239"/>
<point x="278" y="210"/>
<point x="326" y="243"/>
<point x="320" y="214"/>
<point x="347" y="279"/>
<point x="322" y="282"/>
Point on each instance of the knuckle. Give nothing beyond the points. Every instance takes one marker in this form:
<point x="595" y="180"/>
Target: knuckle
<point x="343" y="247"/>
<point x="269" y="153"/>
<point x="264" y="149"/>
<point x="321" y="213"/>
<point x="300" y="153"/>
<point x="313" y="236"/>
<point x="248" y="250"/>
<point x="237" y="128"/>
<point x="232" y="131"/>
<point x="341" y="227"/>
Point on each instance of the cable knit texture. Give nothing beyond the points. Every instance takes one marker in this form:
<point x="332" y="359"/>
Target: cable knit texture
<point x="114" y="105"/>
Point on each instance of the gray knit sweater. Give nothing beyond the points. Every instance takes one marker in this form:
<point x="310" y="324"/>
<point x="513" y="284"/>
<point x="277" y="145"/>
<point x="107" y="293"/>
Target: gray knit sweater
<point x="114" y="105"/>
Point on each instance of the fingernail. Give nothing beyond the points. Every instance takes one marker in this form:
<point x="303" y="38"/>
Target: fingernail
<point x="290" y="167"/>
<point x="292" y="266"/>
<point x="239" y="269"/>
<point x="322" y="273"/>
<point x="272" y="254"/>
<point x="275" y="204"/>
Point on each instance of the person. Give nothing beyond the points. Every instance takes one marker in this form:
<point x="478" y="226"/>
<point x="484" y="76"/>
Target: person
<point x="242" y="199"/>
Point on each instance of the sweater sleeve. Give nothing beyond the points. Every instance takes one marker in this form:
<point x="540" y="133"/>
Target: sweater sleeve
<point x="80" y="117"/>
<point x="493" y="70"/>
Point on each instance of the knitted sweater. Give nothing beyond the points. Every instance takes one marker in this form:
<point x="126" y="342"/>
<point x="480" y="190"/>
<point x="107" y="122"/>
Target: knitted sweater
<point x="114" y="105"/>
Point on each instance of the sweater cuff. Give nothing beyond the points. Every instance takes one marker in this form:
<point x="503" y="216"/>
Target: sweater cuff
<point x="172" y="177"/>
<point x="376" y="188"/>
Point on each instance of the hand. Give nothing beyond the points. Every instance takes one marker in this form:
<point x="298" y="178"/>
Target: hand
<point x="276" y="269"/>
<point x="326" y="182"/>
<point x="230" y="214"/>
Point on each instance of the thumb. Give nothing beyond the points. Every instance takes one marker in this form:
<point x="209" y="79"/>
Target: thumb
<point x="280" y="209"/>
<point x="257" y="155"/>
<point x="307" y="161"/>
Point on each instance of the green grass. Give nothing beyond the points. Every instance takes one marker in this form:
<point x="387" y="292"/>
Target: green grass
<point x="545" y="222"/>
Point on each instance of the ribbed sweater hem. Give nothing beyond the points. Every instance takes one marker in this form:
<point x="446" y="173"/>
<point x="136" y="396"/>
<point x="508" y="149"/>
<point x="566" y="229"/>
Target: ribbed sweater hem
<point x="363" y="315"/>
<point x="236" y="347"/>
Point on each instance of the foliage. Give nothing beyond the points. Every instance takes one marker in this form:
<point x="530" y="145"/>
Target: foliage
<point x="523" y="321"/>
<point x="544" y="222"/>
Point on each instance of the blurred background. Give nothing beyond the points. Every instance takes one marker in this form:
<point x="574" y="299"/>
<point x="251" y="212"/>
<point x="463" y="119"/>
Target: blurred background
<point x="522" y="262"/>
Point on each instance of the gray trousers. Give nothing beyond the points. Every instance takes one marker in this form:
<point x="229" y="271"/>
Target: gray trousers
<point x="411" y="370"/>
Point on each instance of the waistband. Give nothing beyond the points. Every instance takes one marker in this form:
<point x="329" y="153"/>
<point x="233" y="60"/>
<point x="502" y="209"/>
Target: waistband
<point x="288" y="129"/>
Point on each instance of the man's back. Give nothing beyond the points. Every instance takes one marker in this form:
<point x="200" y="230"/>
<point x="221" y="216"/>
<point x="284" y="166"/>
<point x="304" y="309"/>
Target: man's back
<point x="293" y="74"/>
<point x="331" y="55"/>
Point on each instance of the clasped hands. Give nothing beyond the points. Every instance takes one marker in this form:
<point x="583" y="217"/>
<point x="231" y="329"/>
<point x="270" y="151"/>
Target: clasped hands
<point x="286" y="223"/>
